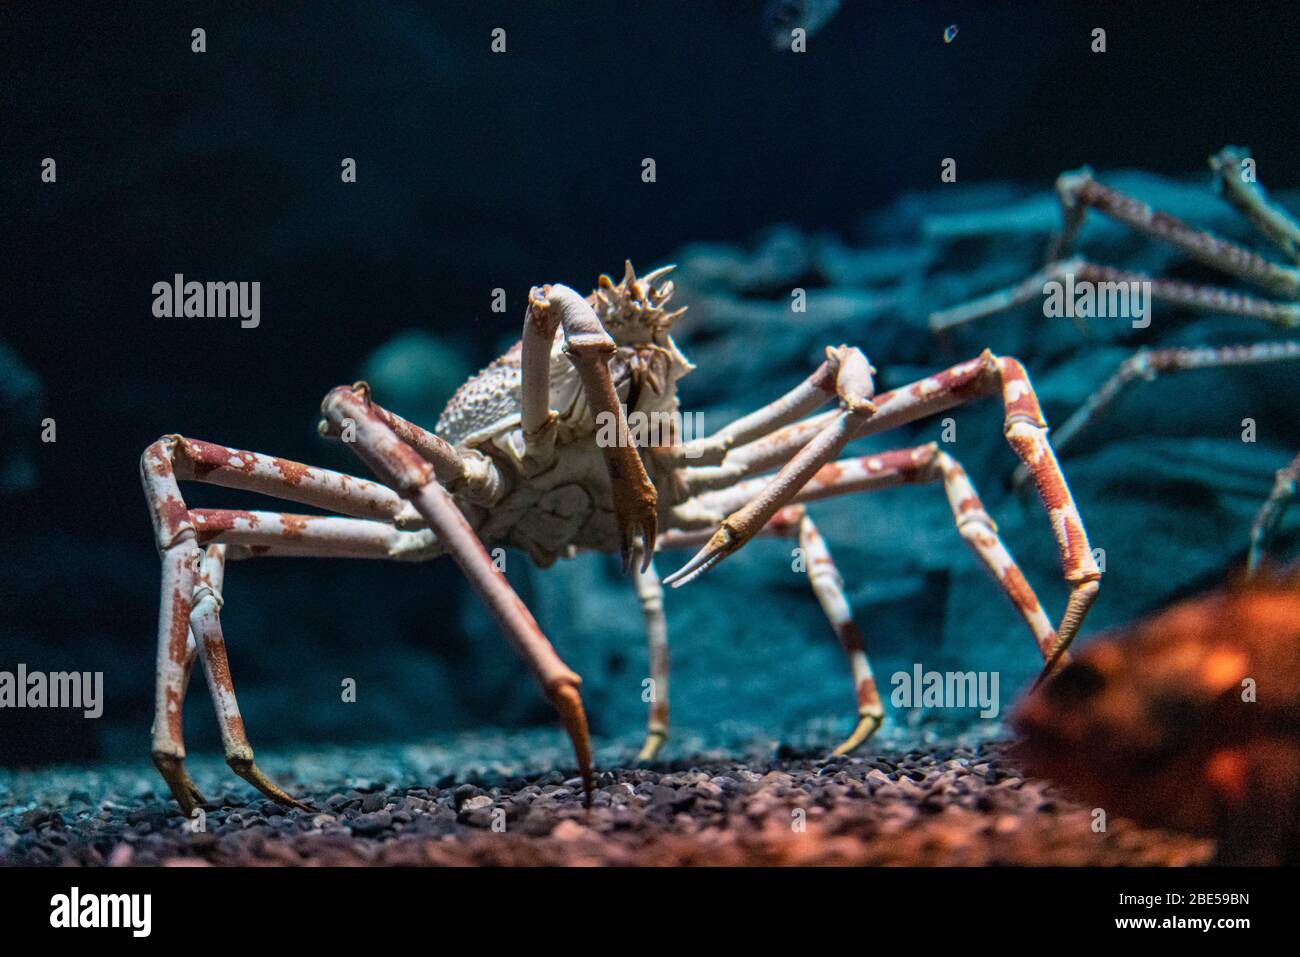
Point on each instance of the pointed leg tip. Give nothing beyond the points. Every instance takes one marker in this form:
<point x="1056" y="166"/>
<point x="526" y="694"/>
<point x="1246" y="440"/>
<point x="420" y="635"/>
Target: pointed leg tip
<point x="866" y="728"/>
<point x="250" y="772"/>
<point x="704" y="559"/>
<point x="654" y="742"/>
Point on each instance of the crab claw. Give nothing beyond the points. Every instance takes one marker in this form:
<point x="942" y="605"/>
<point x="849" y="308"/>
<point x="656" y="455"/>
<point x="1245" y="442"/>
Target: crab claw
<point x="723" y="543"/>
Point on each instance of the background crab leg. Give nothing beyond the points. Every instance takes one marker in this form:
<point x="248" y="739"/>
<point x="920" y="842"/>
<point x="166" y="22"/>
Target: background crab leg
<point x="1026" y="432"/>
<point x="1148" y="363"/>
<point x="1269" y="218"/>
<point x="1078" y="191"/>
<point x="589" y="348"/>
<point x="1270" y="514"/>
<point x="173" y="459"/>
<point x="412" y="477"/>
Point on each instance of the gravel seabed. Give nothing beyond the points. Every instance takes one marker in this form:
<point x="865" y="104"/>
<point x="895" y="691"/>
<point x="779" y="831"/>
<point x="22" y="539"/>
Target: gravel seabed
<point x="915" y="796"/>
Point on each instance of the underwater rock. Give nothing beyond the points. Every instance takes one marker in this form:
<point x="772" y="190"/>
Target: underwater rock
<point x="1187" y="720"/>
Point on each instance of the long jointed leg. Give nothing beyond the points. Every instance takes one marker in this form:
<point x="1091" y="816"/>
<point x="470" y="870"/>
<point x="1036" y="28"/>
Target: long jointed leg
<point x="802" y="400"/>
<point x="400" y="467"/>
<point x="828" y="585"/>
<point x="1026" y="432"/>
<point x="1148" y="363"/>
<point x="854" y="388"/>
<point x="1245" y="193"/>
<point x="180" y="533"/>
<point x="180" y="572"/>
<point x="1270" y="514"/>
<point x="650" y="594"/>
<point x="1079" y="190"/>
<point x="589" y="347"/>
<point x="1200" y="297"/>
<point x="205" y="619"/>
<point x="876" y="472"/>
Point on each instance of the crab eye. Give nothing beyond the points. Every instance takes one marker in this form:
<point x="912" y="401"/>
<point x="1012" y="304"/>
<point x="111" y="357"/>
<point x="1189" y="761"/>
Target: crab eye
<point x="1077" y="682"/>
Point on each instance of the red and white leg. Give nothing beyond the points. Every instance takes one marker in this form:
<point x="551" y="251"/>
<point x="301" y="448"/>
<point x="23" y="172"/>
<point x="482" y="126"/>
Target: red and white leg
<point x="828" y="586"/>
<point x="205" y="620"/>
<point x="182" y="534"/>
<point x="1026" y="432"/>
<point x="868" y="473"/>
<point x="854" y="387"/>
<point x="1078" y="191"/>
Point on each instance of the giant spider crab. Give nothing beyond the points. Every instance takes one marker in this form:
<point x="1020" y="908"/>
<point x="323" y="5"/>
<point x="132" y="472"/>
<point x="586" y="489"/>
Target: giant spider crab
<point x="519" y="458"/>
<point x="1233" y="169"/>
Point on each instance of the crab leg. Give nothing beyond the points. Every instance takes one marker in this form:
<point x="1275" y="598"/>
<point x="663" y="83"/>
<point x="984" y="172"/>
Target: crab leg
<point x="466" y="472"/>
<point x="803" y="399"/>
<point x="183" y="459"/>
<point x="1078" y="191"/>
<point x="922" y="464"/>
<point x="179" y="577"/>
<point x="589" y="348"/>
<point x="1026" y="432"/>
<point x="1190" y="295"/>
<point x="205" y="619"/>
<point x="828" y="585"/>
<point x="854" y="386"/>
<point x="792" y="522"/>
<point x="1148" y="363"/>
<point x="180" y="532"/>
<point x="1252" y="202"/>
<point x="250" y="534"/>
<point x="869" y="473"/>
<point x="1270" y="514"/>
<point x="403" y="469"/>
<point x="650" y="594"/>
<point x="759" y="456"/>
